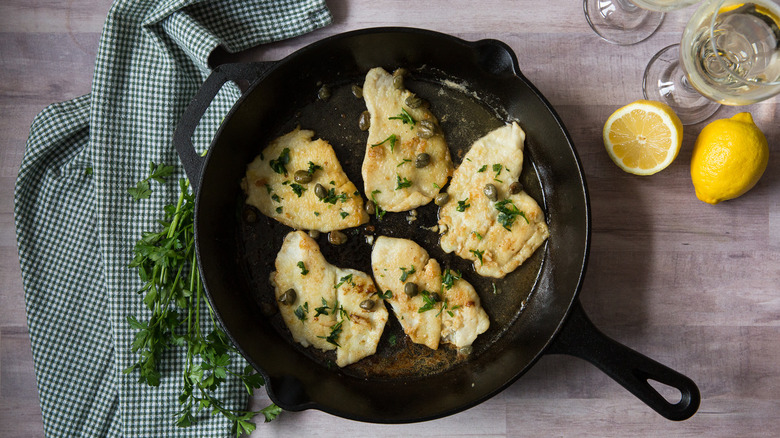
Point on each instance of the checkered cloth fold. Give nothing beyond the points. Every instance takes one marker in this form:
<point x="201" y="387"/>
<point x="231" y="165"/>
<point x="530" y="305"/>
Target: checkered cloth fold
<point x="76" y="224"/>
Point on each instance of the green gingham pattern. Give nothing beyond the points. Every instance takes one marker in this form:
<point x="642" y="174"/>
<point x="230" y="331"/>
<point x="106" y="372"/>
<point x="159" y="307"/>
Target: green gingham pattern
<point x="76" y="224"/>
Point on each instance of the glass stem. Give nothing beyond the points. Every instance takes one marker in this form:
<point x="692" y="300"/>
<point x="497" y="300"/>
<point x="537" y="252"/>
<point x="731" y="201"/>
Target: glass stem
<point x="625" y="5"/>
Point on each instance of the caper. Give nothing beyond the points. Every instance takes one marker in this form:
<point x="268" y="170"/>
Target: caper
<point x="324" y="92"/>
<point x="314" y="234"/>
<point x="288" y="297"/>
<point x="357" y="91"/>
<point x="249" y="215"/>
<point x="336" y="237"/>
<point x="441" y="199"/>
<point x="410" y="289"/>
<point x="320" y="191"/>
<point x="426" y="129"/>
<point x="302" y="176"/>
<point x="435" y="297"/>
<point x="364" y="122"/>
<point x="515" y="188"/>
<point x="367" y="304"/>
<point x="491" y="192"/>
<point x="422" y="160"/>
<point x="413" y="101"/>
<point x="370" y="207"/>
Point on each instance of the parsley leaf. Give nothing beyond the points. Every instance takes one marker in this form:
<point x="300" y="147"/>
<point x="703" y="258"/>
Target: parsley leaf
<point x="449" y="278"/>
<point x="507" y="213"/>
<point x="301" y="311"/>
<point x="380" y="212"/>
<point x="173" y="293"/>
<point x="401" y="184"/>
<point x="304" y="271"/>
<point x="322" y="310"/>
<point x="463" y="205"/>
<point x="279" y="164"/>
<point x="344" y="214"/>
<point x="429" y="299"/>
<point x="331" y="197"/>
<point x="143" y="190"/>
<point x="344" y="279"/>
<point x="386" y="295"/>
<point x="406" y="273"/>
<point x="482" y="169"/>
<point x="313" y="168"/>
<point x="404" y="161"/>
<point x="405" y="118"/>
<point x="392" y="139"/>
<point x="297" y="189"/>
<point x="478" y="254"/>
<point x="335" y="332"/>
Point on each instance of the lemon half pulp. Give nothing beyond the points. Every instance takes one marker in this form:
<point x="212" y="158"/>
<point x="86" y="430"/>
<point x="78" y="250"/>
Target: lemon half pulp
<point x="643" y="137"/>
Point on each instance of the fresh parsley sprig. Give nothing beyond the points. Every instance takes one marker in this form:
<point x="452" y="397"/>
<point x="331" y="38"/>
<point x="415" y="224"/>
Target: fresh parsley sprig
<point x="173" y="292"/>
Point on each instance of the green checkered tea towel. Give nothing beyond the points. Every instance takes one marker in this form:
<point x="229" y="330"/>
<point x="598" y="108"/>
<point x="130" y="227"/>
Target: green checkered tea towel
<point x="76" y="225"/>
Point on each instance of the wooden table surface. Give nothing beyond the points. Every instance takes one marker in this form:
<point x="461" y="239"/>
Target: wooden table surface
<point x="691" y="285"/>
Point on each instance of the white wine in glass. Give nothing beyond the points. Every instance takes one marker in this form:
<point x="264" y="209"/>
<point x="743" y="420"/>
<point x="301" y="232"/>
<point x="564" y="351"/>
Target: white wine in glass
<point x="731" y="51"/>
<point x="729" y="54"/>
<point x="628" y="22"/>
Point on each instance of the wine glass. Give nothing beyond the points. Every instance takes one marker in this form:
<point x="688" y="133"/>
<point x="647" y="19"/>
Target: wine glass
<point x="628" y="22"/>
<point x="729" y="54"/>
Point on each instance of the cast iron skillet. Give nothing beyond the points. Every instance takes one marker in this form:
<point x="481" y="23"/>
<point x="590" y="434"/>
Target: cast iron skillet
<point x="473" y="87"/>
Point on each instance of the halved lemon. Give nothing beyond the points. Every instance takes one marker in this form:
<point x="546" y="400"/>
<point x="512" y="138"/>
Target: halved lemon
<point x="643" y="137"/>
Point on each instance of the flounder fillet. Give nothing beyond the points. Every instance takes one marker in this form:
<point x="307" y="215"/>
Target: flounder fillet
<point x="497" y="235"/>
<point x="326" y="313"/>
<point x="270" y="186"/>
<point x="456" y="318"/>
<point x="390" y="175"/>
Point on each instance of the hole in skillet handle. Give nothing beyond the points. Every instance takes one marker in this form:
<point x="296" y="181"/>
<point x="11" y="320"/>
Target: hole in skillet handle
<point x="634" y="371"/>
<point x="241" y="74"/>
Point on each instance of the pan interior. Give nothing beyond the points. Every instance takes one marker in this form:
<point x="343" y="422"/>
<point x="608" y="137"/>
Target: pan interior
<point x="464" y="118"/>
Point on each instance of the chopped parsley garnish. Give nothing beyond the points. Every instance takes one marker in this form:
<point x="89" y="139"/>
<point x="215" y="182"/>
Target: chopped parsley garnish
<point x="316" y="213"/>
<point x="436" y="186"/>
<point x="279" y="210"/>
<point x="478" y="254"/>
<point x="479" y="236"/>
<point x="463" y="205"/>
<point x="498" y="168"/>
<point x="344" y="214"/>
<point x="276" y="198"/>
<point x="449" y="278"/>
<point x="279" y="164"/>
<point x="344" y="279"/>
<point x="405" y="273"/>
<point x="322" y="310"/>
<point x="268" y="188"/>
<point x="301" y="311"/>
<point x="313" y="168"/>
<point x="380" y="212"/>
<point x="386" y="295"/>
<point x="430" y="303"/>
<point x="304" y="271"/>
<point x="335" y="332"/>
<point x="392" y="139"/>
<point x="392" y="340"/>
<point x="404" y="117"/>
<point x="482" y="169"/>
<point x="331" y="197"/>
<point x="405" y="160"/>
<point x="401" y="184"/>
<point x="507" y="213"/>
<point x="297" y="189"/>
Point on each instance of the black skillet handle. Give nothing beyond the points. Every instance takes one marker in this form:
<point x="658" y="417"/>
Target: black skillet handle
<point x="182" y="137"/>
<point x="580" y="338"/>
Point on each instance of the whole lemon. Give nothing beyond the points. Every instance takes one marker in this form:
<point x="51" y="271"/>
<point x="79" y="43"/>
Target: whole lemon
<point x="729" y="157"/>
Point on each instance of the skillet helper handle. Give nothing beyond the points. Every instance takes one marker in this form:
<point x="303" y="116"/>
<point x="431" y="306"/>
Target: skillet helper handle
<point x="182" y="137"/>
<point x="579" y="337"/>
